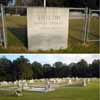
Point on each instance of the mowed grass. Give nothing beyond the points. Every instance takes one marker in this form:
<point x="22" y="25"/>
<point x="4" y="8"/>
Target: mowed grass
<point x="90" y="92"/>
<point x="17" y="37"/>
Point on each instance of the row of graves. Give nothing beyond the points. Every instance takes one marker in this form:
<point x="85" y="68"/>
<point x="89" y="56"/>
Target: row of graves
<point x="16" y="88"/>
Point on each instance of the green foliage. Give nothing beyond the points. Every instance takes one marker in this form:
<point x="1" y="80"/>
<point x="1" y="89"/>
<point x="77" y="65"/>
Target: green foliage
<point x="95" y="68"/>
<point x="62" y="3"/>
<point x="5" y="69"/>
<point x="37" y="70"/>
<point x="21" y="69"/>
<point x="82" y="68"/>
<point x="5" y="2"/>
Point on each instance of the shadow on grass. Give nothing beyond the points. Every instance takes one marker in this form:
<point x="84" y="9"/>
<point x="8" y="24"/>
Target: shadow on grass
<point x="76" y="29"/>
<point x="76" y="34"/>
<point x="93" y="35"/>
<point x="76" y="39"/>
<point x="20" y="33"/>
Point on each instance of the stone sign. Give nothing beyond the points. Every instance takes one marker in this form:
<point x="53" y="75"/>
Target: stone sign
<point x="47" y="28"/>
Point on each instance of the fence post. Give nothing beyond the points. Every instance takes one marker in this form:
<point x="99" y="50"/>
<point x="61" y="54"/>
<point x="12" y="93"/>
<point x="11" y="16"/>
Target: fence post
<point x="0" y="27"/>
<point x="89" y="19"/>
<point x="3" y="26"/>
<point x="86" y="25"/>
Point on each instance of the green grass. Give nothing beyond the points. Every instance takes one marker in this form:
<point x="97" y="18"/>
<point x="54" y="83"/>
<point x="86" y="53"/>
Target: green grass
<point x="90" y="92"/>
<point x="94" y="28"/>
<point x="17" y="37"/>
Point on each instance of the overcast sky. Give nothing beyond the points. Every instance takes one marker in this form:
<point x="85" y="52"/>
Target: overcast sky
<point x="52" y="58"/>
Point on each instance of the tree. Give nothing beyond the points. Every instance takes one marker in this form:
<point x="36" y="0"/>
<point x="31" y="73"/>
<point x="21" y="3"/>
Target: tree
<point x="48" y="71"/>
<point x="23" y="68"/>
<point x="5" y="69"/>
<point x="94" y="4"/>
<point x="55" y="3"/>
<point x="94" y="68"/>
<point x="66" y="3"/>
<point x="4" y="2"/>
<point x="25" y="2"/>
<point x="58" y="67"/>
<point x="37" y="70"/>
<point x="82" y="68"/>
<point x="65" y="71"/>
<point x="32" y="2"/>
<point x="74" y="70"/>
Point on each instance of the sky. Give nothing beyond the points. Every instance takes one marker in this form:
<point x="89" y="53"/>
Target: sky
<point x="52" y="58"/>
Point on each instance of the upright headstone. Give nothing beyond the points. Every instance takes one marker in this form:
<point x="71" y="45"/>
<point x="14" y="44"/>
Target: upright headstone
<point x="18" y="92"/>
<point x="70" y="82"/>
<point x="20" y="84"/>
<point x="84" y="82"/>
<point x="47" y="28"/>
<point x="77" y="78"/>
<point x="47" y="85"/>
<point x="88" y="80"/>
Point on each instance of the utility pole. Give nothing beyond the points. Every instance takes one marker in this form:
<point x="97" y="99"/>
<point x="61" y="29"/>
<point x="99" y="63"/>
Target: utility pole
<point x="45" y="3"/>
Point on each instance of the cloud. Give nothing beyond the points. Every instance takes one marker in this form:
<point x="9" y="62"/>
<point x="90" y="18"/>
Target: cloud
<point x="52" y="58"/>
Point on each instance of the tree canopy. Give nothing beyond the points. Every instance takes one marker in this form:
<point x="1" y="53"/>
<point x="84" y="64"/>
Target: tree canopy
<point x="21" y="69"/>
<point x="94" y="4"/>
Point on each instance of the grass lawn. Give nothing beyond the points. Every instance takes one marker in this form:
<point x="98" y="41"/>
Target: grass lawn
<point x="17" y="37"/>
<point x="90" y="92"/>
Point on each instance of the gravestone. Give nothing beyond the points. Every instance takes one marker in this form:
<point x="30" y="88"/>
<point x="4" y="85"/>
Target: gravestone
<point x="88" y="80"/>
<point x="47" y="86"/>
<point x="47" y="28"/>
<point x="84" y="83"/>
<point x="69" y="81"/>
<point x="77" y="78"/>
<point x="18" y="92"/>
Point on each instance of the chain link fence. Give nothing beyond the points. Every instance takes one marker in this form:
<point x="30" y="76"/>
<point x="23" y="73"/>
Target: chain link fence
<point x="93" y="33"/>
<point x="77" y="23"/>
<point x="16" y="26"/>
<point x="80" y="30"/>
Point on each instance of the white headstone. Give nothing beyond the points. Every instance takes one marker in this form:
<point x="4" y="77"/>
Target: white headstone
<point x="20" y="84"/>
<point x="77" y="78"/>
<point x="70" y="81"/>
<point x="25" y="84"/>
<point x="88" y="80"/>
<point x="84" y="82"/>
<point x="4" y="83"/>
<point x="47" y="28"/>
<point x="15" y="82"/>
<point x="47" y="85"/>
